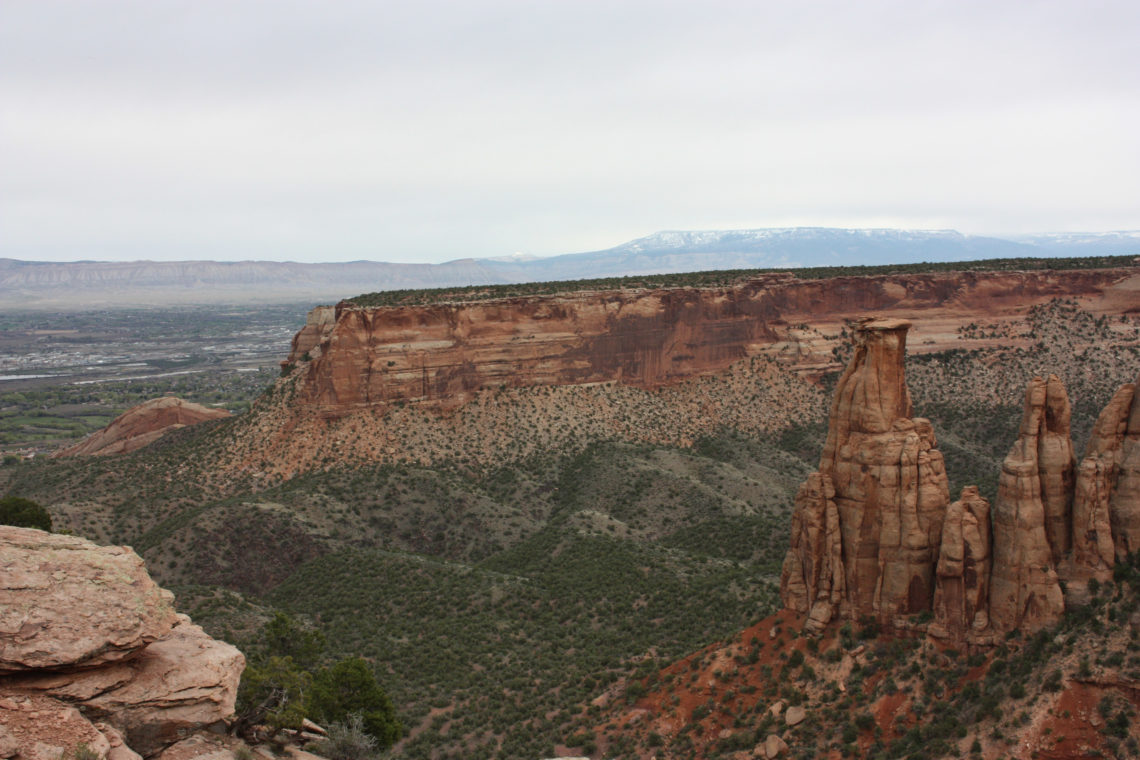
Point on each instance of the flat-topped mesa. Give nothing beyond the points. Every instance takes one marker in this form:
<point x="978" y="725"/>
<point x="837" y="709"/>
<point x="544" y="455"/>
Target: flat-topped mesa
<point x="1032" y="510"/>
<point x="890" y="488"/>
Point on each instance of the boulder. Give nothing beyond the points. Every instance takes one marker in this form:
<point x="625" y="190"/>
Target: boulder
<point x="65" y="602"/>
<point x="774" y="746"/>
<point x="202" y="748"/>
<point x="1025" y="592"/>
<point x="87" y="635"/>
<point x="794" y="716"/>
<point x="961" y="594"/>
<point x="178" y="684"/>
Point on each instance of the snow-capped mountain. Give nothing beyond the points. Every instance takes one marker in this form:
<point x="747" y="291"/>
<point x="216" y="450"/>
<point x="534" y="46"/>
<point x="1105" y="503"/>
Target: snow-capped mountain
<point x="86" y="283"/>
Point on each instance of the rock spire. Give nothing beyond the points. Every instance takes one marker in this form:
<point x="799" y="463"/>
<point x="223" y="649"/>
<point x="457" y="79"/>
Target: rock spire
<point x="890" y="494"/>
<point x="874" y="533"/>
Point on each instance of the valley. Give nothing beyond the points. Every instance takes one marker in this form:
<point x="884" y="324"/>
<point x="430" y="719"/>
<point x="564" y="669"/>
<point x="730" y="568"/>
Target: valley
<point x="525" y="557"/>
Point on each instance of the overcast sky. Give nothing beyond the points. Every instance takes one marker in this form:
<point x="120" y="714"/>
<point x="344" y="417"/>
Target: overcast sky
<point x="332" y="130"/>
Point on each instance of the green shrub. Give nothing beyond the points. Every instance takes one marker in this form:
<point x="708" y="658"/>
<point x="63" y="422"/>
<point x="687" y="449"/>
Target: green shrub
<point x="24" y="513"/>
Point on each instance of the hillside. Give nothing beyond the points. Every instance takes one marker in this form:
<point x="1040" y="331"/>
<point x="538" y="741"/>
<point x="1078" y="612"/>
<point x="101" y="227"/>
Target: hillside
<point x="540" y="545"/>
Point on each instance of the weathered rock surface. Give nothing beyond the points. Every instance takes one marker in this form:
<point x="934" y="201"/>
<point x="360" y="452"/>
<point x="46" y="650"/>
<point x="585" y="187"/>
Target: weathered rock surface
<point x="1124" y="506"/>
<point x="812" y="578"/>
<point x="889" y="482"/>
<point x="185" y="681"/>
<point x="142" y="425"/>
<point x="40" y="728"/>
<point x="961" y="593"/>
<point x="83" y="626"/>
<point x="306" y="343"/>
<point x="1094" y="551"/>
<point x="443" y="353"/>
<point x="1025" y="592"/>
<point x="65" y="602"/>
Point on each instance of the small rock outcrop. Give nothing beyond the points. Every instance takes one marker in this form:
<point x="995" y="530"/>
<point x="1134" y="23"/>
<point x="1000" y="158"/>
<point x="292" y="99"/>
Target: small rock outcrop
<point x="890" y="494"/>
<point x="142" y="425"/>
<point x="961" y="594"/>
<point x="1034" y="493"/>
<point x="92" y="651"/>
<point x="812" y="577"/>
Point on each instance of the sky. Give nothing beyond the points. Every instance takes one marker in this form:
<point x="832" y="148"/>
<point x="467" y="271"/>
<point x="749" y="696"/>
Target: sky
<point x="336" y="130"/>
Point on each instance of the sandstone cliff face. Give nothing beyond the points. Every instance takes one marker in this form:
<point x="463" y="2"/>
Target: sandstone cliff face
<point x="443" y="353"/>
<point x="890" y="487"/>
<point x="961" y="595"/>
<point x="142" y="425"/>
<point x="812" y="578"/>
<point x="318" y="324"/>
<point x="1033" y="491"/>
<point x="91" y="651"/>
<point x="1124" y="505"/>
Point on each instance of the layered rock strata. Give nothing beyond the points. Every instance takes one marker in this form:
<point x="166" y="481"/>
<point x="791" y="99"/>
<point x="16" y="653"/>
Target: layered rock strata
<point x="1032" y="513"/>
<point x="443" y="353"/>
<point x="86" y="635"/>
<point x="890" y="492"/>
<point x="813" y="574"/>
<point x="961" y="594"/>
<point x="142" y="425"/>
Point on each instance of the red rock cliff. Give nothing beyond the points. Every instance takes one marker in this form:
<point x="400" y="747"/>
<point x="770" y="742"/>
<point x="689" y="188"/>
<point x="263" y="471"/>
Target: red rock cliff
<point x="443" y="353"/>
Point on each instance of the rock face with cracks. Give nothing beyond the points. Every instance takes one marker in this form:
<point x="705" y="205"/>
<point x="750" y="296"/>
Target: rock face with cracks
<point x="86" y="635"/>
<point x="879" y="508"/>
<point x="1034" y="493"/>
<point x="961" y="594"/>
<point x="890" y="493"/>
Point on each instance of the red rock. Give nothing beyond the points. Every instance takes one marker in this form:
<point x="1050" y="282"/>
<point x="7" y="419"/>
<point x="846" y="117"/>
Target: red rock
<point x="442" y="353"/>
<point x="142" y="425"/>
<point x="961" y="595"/>
<point x="85" y="625"/>
<point x="1025" y="593"/>
<point x="890" y="481"/>
<point x="1124" y="507"/>
<point x="306" y="343"/>
<point x="812" y="579"/>
<point x="890" y="488"/>
<point x="1094" y="551"/>
<point x="65" y="602"/>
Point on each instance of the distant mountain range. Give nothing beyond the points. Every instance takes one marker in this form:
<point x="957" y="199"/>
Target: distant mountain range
<point x="91" y="284"/>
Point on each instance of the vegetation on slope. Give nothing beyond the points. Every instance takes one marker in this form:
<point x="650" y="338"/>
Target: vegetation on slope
<point x="720" y="278"/>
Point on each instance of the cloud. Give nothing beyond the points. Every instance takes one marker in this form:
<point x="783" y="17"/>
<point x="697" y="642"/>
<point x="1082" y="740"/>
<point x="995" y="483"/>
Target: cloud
<point x="433" y="130"/>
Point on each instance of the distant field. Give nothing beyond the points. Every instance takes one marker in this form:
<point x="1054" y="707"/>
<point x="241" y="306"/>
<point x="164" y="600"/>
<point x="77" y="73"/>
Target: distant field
<point x="63" y="376"/>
